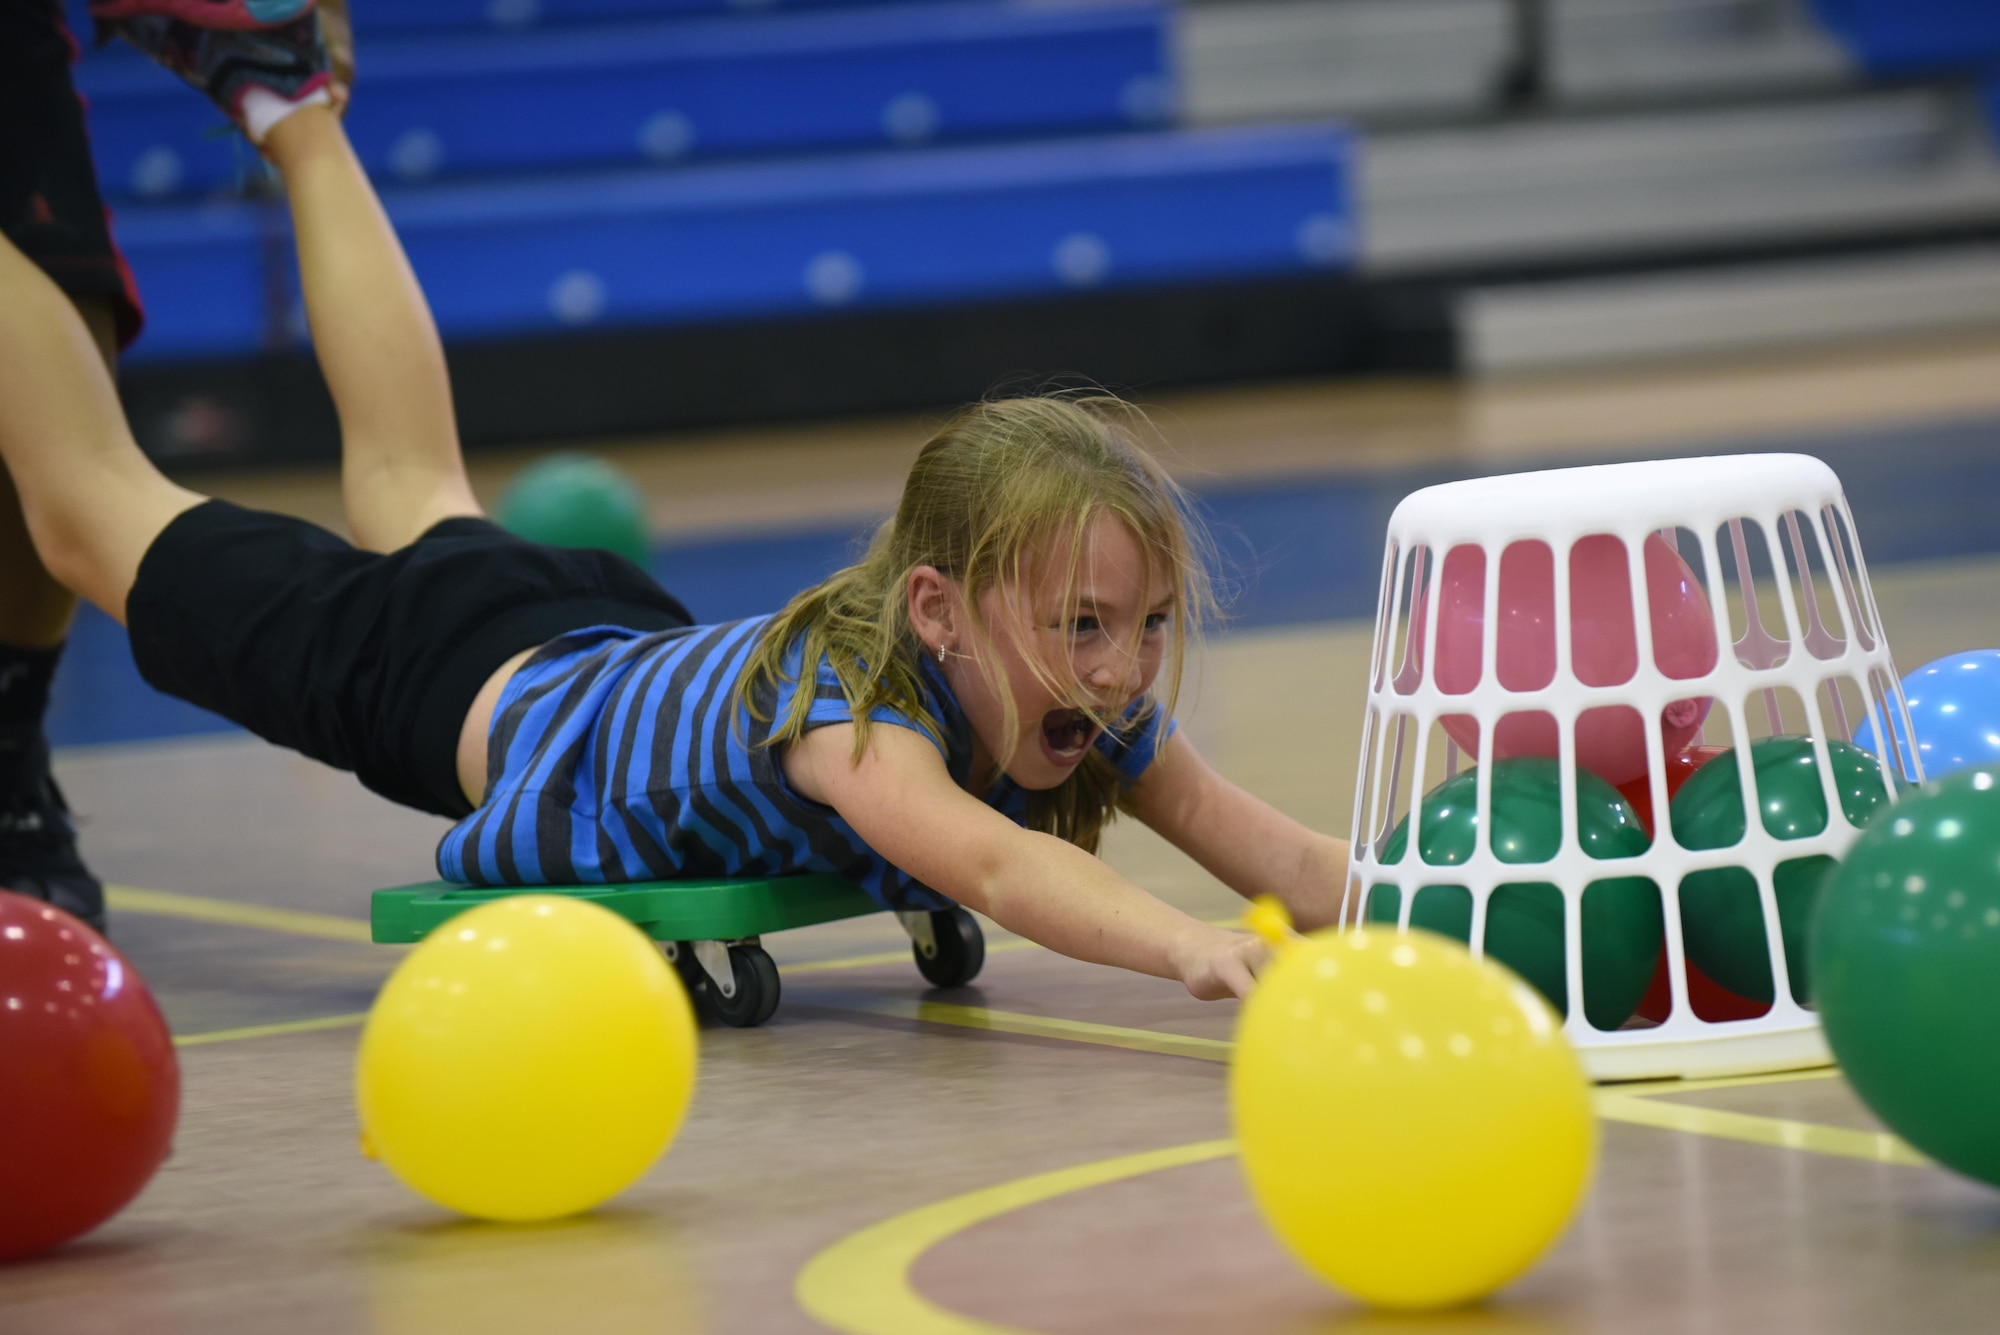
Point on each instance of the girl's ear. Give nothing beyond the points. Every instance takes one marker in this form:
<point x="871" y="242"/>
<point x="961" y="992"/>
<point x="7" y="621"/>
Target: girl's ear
<point x="934" y="611"/>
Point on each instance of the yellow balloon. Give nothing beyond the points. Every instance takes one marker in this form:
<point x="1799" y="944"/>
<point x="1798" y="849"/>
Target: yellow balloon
<point x="1413" y="1124"/>
<point x="530" y="1059"/>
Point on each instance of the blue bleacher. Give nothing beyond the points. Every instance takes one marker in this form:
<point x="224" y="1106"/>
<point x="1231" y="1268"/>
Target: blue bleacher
<point x="489" y="103"/>
<point x="1906" y="37"/>
<point x="1916" y="36"/>
<point x="374" y="18"/>
<point x="377" y="18"/>
<point x="513" y="15"/>
<point x="204" y="274"/>
<point x="751" y="240"/>
<point x="636" y="163"/>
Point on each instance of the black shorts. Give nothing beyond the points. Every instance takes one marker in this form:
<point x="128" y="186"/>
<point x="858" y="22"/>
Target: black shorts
<point x="367" y="662"/>
<point x="49" y="203"/>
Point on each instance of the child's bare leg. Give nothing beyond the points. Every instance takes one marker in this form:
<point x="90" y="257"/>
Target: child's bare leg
<point x="401" y="471"/>
<point x="93" y="502"/>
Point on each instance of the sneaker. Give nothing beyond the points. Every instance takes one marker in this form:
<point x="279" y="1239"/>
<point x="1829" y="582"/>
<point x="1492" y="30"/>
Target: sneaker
<point x="38" y="856"/>
<point x="288" y="61"/>
<point x="231" y="15"/>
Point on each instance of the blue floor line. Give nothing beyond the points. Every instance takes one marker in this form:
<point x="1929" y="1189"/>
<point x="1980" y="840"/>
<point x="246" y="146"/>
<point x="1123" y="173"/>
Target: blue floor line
<point x="1294" y="551"/>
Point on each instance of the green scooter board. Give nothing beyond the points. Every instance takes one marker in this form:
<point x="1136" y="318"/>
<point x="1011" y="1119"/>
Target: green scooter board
<point x="709" y="929"/>
<point x="724" y="910"/>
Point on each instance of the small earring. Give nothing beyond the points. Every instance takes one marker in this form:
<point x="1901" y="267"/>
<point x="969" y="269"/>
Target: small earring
<point x="940" y="653"/>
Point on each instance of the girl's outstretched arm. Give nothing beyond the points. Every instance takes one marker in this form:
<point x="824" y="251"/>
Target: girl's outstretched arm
<point x="1245" y="842"/>
<point x="900" y="799"/>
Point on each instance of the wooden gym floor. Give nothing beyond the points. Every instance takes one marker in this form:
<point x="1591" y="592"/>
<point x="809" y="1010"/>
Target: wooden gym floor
<point x="1044" y="1151"/>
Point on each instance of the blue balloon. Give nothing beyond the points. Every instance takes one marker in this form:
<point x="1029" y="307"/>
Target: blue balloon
<point x="1955" y="712"/>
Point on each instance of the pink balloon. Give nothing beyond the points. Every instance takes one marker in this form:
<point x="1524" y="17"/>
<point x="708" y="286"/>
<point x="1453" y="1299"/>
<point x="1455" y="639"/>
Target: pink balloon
<point x="1610" y="740"/>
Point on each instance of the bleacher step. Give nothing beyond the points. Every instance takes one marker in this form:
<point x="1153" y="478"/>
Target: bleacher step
<point x="1584" y="190"/>
<point x="1719" y="312"/>
<point x="1607" y="51"/>
<point x="1365" y="59"/>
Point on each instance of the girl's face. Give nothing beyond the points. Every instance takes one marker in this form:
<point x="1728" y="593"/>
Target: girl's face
<point x="1109" y="638"/>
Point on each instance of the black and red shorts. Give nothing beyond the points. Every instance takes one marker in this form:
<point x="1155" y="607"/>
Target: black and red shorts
<point x="49" y="203"/>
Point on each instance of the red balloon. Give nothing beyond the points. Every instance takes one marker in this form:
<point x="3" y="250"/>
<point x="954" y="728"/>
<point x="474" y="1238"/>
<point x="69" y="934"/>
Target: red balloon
<point x="1604" y="647"/>
<point x="89" y="1088"/>
<point x="1680" y="768"/>
<point x="1710" y="999"/>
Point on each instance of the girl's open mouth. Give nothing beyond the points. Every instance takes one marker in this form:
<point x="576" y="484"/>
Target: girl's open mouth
<point x="1067" y="735"/>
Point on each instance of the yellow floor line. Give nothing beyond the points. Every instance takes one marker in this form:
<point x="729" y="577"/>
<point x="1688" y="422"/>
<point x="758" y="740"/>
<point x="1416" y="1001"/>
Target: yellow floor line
<point x="298" y="922"/>
<point x="270" y="1030"/>
<point x="861" y="1284"/>
<point x="1618" y="1104"/>
<point x="1006" y="947"/>
<point x="201" y="908"/>
<point x="1874" y="1146"/>
<point x="1033" y="1026"/>
<point x="328" y="926"/>
<point x="1655" y="1088"/>
<point x="890" y="957"/>
<point x="846" y="962"/>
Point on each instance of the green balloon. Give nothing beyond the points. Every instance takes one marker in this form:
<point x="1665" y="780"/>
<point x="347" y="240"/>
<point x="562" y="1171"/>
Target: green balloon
<point x="1622" y="921"/>
<point x="1721" y="915"/>
<point x="577" y="500"/>
<point x="1906" y="949"/>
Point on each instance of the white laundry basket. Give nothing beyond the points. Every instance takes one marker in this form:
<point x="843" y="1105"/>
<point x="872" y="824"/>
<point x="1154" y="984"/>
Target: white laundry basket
<point x="1768" y="543"/>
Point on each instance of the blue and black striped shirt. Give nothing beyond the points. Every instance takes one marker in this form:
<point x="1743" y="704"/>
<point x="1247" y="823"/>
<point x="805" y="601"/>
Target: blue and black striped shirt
<point x="621" y="756"/>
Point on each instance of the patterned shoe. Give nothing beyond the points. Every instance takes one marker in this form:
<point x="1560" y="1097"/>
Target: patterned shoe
<point x="38" y="856"/>
<point x="288" y="61"/>
<point x="231" y="15"/>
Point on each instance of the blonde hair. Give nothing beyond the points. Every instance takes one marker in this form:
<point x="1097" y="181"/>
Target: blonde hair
<point x="998" y="497"/>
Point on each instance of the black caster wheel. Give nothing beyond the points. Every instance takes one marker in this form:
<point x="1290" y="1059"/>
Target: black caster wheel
<point x="757" y="989"/>
<point x="958" y="949"/>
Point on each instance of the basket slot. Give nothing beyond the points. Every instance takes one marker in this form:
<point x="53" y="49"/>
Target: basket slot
<point x="1858" y="598"/>
<point x="1385" y="616"/>
<point x="1809" y="582"/>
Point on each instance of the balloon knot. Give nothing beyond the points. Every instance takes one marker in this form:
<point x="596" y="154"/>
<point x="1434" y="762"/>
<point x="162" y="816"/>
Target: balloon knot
<point x="1686" y="713"/>
<point x="1267" y="918"/>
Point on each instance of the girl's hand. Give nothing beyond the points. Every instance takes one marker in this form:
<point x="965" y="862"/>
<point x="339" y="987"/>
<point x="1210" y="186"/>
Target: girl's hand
<point x="1215" y="963"/>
